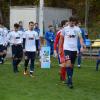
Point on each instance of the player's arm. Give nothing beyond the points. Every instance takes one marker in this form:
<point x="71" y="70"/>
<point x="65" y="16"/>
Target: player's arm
<point x="8" y="38"/>
<point x="56" y="41"/>
<point x="61" y="41"/>
<point x="55" y="44"/>
<point x="81" y="41"/>
<point x="24" y="41"/>
<point x="47" y="36"/>
<point x="36" y="41"/>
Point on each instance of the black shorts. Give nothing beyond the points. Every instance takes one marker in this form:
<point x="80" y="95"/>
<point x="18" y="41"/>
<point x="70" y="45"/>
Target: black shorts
<point x="70" y="55"/>
<point x="30" y="55"/>
<point x="4" y="47"/>
<point x="1" y="48"/>
<point x="17" y="51"/>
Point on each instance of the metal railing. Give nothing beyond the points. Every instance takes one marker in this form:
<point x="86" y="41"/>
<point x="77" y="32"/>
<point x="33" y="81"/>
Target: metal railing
<point x="92" y="49"/>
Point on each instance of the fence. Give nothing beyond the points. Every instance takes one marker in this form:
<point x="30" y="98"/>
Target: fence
<point x="92" y="48"/>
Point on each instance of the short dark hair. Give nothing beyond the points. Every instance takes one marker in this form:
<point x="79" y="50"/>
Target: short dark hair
<point x="36" y="23"/>
<point x="73" y="19"/>
<point x="63" y="22"/>
<point x="50" y="26"/>
<point x="31" y="22"/>
<point x="20" y="22"/>
<point x="16" y="25"/>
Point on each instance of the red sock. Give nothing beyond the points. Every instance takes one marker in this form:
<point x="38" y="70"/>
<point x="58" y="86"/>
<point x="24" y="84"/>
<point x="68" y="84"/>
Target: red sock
<point x="63" y="73"/>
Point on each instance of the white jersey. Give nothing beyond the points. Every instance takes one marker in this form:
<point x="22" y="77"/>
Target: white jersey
<point x="30" y="43"/>
<point x="15" y="37"/>
<point x="5" y="32"/>
<point x="1" y="36"/>
<point x="71" y="35"/>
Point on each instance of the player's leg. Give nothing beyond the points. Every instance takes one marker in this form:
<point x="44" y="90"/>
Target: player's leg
<point x="79" y="58"/>
<point x="68" y="68"/>
<point x="69" y="74"/>
<point x="97" y="64"/>
<point x="1" y="54"/>
<point x="4" y="53"/>
<point x="63" y="67"/>
<point x="70" y="57"/>
<point x="52" y="48"/>
<point x="38" y="46"/>
<point x="63" y="73"/>
<point x="26" y="62"/>
<point x="60" y="67"/>
<point x="20" y="54"/>
<point x="0" y="57"/>
<point x="32" y="63"/>
<point x="73" y="59"/>
<point x="14" y="58"/>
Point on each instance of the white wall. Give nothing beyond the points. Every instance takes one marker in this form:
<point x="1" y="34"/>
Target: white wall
<point x="55" y="15"/>
<point x="23" y="14"/>
<point x="26" y="14"/>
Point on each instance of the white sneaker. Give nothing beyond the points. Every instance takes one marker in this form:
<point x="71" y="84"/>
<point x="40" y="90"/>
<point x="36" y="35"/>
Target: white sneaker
<point x="0" y="62"/>
<point x="31" y="75"/>
<point x="25" y="73"/>
<point x="79" y="66"/>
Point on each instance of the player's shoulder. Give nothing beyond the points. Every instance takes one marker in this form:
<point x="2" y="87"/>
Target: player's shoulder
<point x="11" y="31"/>
<point x="1" y="29"/>
<point x="5" y="28"/>
<point x="20" y="31"/>
<point x="26" y="32"/>
<point x="58" y="32"/>
<point x="35" y="33"/>
<point x="66" y="27"/>
<point x="77" y="28"/>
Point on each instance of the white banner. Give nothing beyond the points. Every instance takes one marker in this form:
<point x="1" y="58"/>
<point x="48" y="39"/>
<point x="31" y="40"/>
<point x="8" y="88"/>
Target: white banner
<point x="45" y="57"/>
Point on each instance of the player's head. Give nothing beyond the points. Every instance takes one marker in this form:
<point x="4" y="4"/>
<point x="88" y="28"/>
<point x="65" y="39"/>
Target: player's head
<point x="20" y="23"/>
<point x="51" y="28"/>
<point x="16" y="26"/>
<point x="64" y="23"/>
<point x="31" y="25"/>
<point x="36" y="25"/>
<point x="72" y="21"/>
<point x="79" y="23"/>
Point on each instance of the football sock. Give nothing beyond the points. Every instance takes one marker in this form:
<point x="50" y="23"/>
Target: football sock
<point x="69" y="75"/>
<point x="63" y="73"/>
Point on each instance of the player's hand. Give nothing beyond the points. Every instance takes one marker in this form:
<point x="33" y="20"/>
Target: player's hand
<point x="24" y="50"/>
<point x="83" y="48"/>
<point x="55" y="53"/>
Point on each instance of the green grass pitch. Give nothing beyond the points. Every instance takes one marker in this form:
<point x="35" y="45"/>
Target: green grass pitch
<point x="46" y="84"/>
